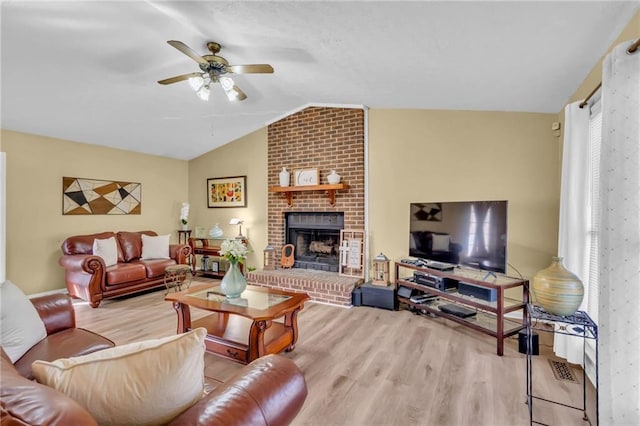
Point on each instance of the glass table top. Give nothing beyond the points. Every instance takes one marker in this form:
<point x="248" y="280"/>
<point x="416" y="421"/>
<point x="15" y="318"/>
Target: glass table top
<point x="248" y="299"/>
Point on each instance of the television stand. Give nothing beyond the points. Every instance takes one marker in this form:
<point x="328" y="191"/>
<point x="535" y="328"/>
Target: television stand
<point x="490" y="317"/>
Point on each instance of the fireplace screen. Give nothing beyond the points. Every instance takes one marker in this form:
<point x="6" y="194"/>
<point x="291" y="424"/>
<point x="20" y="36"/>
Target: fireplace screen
<point x="316" y="237"/>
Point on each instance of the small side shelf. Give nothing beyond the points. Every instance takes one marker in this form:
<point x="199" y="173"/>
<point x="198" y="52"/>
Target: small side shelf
<point x="289" y="190"/>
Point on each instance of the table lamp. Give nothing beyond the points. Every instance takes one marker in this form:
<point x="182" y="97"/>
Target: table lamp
<point x="236" y="221"/>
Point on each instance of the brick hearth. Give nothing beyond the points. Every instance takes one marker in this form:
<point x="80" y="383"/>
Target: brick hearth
<point x="321" y="286"/>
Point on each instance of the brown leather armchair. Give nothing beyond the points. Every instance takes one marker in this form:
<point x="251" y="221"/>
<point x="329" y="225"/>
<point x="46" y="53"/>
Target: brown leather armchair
<point x="269" y="391"/>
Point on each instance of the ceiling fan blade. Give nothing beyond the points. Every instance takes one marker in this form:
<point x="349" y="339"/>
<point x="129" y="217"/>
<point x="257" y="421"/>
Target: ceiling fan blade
<point x="241" y="96"/>
<point x="232" y="91"/>
<point x="188" y="51"/>
<point x="180" y="78"/>
<point x="250" y="69"/>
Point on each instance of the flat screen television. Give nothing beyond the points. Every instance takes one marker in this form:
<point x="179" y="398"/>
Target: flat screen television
<point x="465" y="233"/>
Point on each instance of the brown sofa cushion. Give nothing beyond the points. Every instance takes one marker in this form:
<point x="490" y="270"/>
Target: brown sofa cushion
<point x="125" y="272"/>
<point x="131" y="244"/>
<point x="70" y="342"/>
<point x="155" y="268"/>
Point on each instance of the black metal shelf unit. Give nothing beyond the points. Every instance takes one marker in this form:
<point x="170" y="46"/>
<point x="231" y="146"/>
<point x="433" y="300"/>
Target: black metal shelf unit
<point x="578" y="324"/>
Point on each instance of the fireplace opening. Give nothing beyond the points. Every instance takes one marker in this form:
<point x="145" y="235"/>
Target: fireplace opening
<point x="316" y="237"/>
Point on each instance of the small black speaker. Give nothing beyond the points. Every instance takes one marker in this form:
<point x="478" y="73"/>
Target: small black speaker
<point x="522" y="343"/>
<point x="356" y="297"/>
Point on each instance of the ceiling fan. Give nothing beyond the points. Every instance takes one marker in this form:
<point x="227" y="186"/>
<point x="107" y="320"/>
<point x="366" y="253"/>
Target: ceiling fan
<point x="213" y="70"/>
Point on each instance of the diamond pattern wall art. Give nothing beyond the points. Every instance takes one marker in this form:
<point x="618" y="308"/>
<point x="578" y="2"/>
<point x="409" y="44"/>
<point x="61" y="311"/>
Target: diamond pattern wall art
<point x="93" y="196"/>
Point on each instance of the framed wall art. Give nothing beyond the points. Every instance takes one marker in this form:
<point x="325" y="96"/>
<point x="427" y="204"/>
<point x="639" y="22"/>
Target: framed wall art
<point x="94" y="196"/>
<point x="227" y="192"/>
<point x="305" y="177"/>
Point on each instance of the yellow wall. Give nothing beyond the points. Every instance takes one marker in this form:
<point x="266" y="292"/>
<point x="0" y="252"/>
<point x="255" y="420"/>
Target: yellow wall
<point x="246" y="156"/>
<point x="433" y="156"/>
<point x="35" y="224"/>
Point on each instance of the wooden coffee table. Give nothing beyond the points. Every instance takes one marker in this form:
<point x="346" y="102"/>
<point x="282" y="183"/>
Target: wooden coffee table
<point x="262" y="321"/>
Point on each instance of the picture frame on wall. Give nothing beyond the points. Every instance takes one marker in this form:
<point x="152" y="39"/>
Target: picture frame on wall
<point x="227" y="192"/>
<point x="305" y="177"/>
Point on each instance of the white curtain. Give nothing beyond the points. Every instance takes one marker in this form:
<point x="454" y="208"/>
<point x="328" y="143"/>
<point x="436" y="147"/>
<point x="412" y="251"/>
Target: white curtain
<point x="575" y="217"/>
<point x="619" y="253"/>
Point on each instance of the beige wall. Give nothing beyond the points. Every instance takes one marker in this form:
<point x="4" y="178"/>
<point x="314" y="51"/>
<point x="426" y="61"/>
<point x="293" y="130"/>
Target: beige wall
<point x="35" y="224"/>
<point x="428" y="155"/>
<point x="246" y="156"/>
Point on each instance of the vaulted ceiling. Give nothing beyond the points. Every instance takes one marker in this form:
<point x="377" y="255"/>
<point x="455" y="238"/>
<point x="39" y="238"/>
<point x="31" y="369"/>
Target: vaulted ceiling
<point x="87" y="71"/>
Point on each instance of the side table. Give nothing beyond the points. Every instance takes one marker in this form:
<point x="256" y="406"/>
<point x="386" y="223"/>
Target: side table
<point x="183" y="236"/>
<point x="176" y="276"/>
<point x="578" y="324"/>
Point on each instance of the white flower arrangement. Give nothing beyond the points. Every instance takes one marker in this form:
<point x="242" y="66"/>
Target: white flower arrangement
<point x="234" y="250"/>
<point x="184" y="213"/>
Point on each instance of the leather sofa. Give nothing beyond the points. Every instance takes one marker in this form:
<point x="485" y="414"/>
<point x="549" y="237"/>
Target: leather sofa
<point x="88" y="278"/>
<point x="269" y="391"/>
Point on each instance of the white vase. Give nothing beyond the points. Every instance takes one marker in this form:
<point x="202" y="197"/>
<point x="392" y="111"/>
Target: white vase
<point x="184" y="226"/>
<point x="215" y="232"/>
<point x="284" y="177"/>
<point x="333" y="178"/>
<point x="233" y="283"/>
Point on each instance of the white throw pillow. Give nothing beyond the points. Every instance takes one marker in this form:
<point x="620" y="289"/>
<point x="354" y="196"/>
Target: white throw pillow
<point x="107" y="250"/>
<point x="155" y="247"/>
<point x="142" y="383"/>
<point x="22" y="327"/>
<point x="440" y="242"/>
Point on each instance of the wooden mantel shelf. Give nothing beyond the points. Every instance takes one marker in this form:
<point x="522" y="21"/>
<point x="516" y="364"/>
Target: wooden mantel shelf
<point x="289" y="190"/>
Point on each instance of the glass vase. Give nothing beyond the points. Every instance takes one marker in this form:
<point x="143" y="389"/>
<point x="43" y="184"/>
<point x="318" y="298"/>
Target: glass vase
<point x="233" y="283"/>
<point x="557" y="290"/>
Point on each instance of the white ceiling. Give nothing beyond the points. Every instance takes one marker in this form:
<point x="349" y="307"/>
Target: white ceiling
<point x="87" y="71"/>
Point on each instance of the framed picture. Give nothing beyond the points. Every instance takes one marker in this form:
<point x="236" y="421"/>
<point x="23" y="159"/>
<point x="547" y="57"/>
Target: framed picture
<point x="305" y="177"/>
<point x="94" y="196"/>
<point x="227" y="192"/>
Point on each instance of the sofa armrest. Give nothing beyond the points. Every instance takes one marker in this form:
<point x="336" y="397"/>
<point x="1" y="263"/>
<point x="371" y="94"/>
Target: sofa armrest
<point x="269" y="391"/>
<point x="26" y="402"/>
<point x="179" y="252"/>
<point x="56" y="311"/>
<point x="82" y="263"/>
<point x="84" y="276"/>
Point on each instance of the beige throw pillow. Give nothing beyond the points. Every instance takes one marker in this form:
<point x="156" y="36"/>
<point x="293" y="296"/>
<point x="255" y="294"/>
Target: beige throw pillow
<point x="143" y="383"/>
<point x="21" y="325"/>
<point x="107" y="250"/>
<point x="155" y="247"/>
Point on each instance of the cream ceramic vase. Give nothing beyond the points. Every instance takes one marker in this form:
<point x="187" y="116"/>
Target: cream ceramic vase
<point x="557" y="290"/>
<point x="333" y="178"/>
<point x="233" y="283"/>
<point x="284" y="177"/>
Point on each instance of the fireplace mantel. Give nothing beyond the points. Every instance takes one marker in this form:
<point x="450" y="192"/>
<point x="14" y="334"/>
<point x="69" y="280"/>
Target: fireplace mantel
<point x="289" y="190"/>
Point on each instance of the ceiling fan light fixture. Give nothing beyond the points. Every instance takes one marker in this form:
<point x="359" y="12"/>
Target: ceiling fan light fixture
<point x="203" y="93"/>
<point x="229" y="87"/>
<point x="196" y="83"/>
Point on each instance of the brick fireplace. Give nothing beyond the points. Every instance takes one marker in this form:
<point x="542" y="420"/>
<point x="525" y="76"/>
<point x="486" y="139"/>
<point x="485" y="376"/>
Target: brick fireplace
<point x="327" y="139"/>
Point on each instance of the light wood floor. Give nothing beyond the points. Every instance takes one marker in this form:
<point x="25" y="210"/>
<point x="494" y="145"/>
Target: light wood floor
<point x="368" y="366"/>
